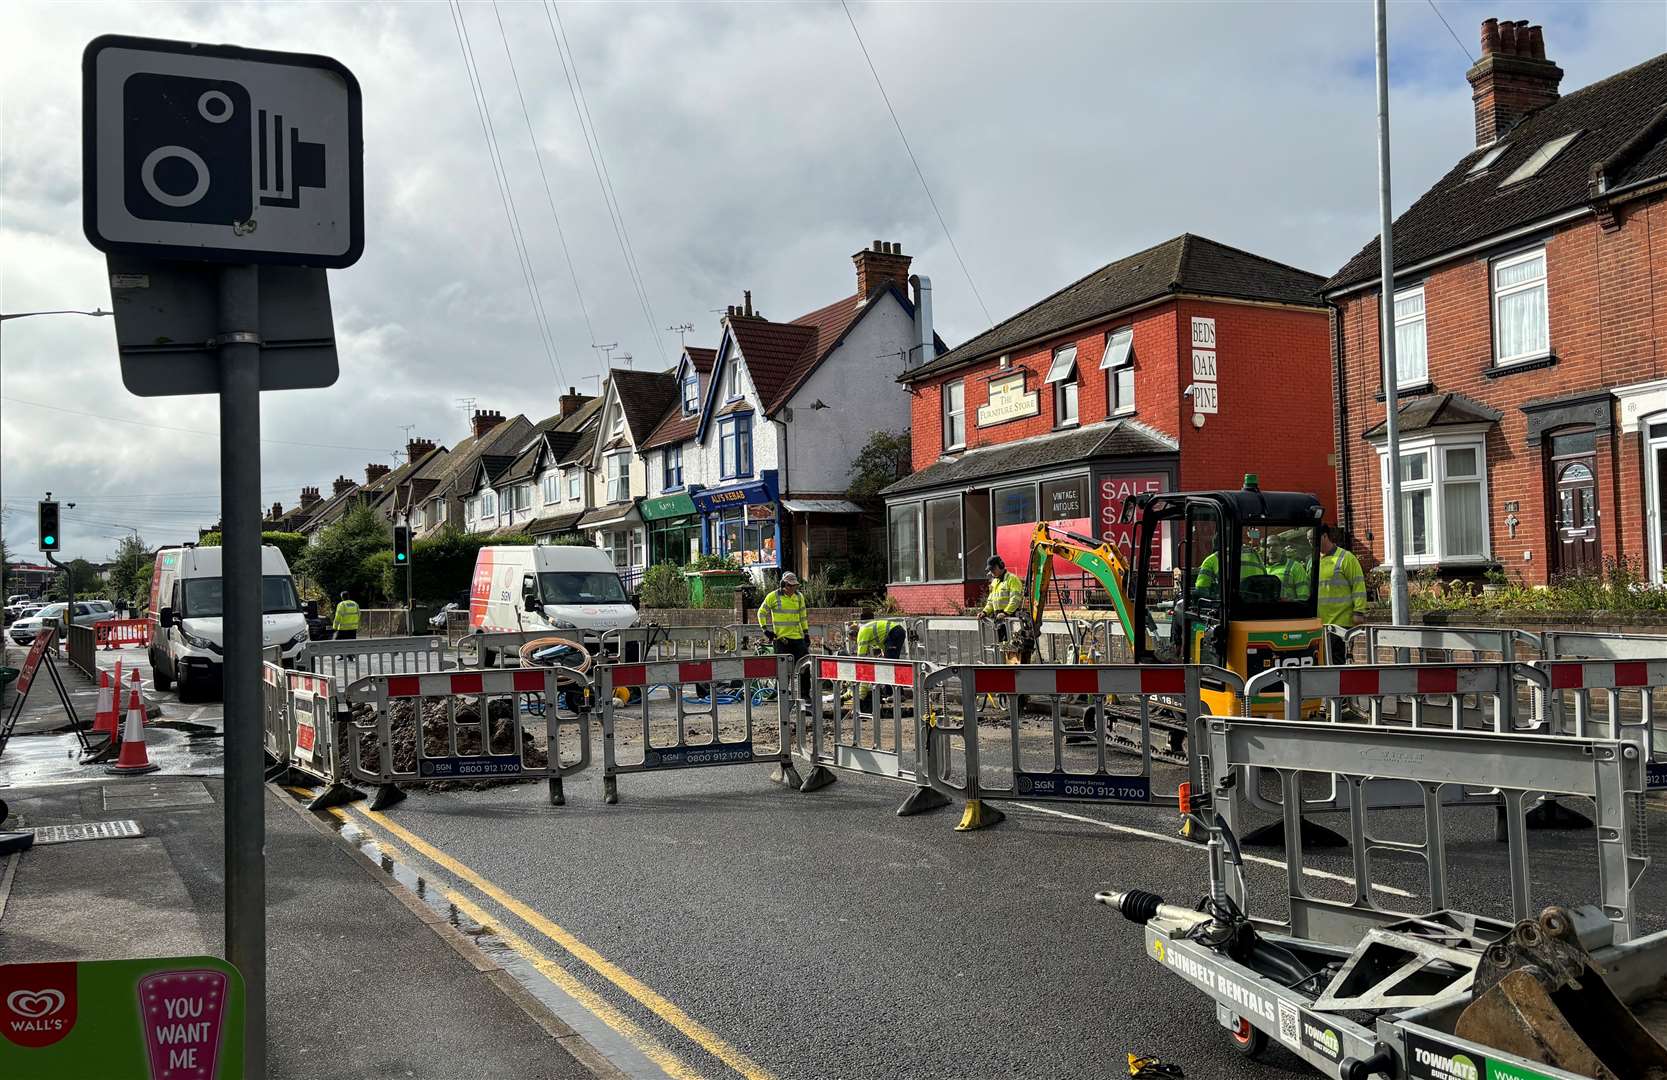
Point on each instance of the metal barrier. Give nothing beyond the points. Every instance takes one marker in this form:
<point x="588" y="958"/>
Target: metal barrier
<point x="1387" y="644"/>
<point x="82" y="650"/>
<point x="344" y="662"/>
<point x="655" y="643"/>
<point x="861" y="717"/>
<point x="1611" y="700"/>
<point x="117" y="633"/>
<point x="1580" y="645"/>
<point x="823" y="637"/>
<point x="1071" y="763"/>
<point x="502" y="648"/>
<point x="703" y="695"/>
<point x="274" y="718"/>
<point x="1518" y="765"/>
<point x="955" y="639"/>
<point x="455" y="712"/>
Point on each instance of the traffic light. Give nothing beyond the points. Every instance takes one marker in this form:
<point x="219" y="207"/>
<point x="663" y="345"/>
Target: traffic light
<point x="48" y="531"/>
<point x="402" y="544"/>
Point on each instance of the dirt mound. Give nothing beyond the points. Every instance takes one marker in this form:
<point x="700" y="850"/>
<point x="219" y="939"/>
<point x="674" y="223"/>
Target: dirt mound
<point x="403" y="731"/>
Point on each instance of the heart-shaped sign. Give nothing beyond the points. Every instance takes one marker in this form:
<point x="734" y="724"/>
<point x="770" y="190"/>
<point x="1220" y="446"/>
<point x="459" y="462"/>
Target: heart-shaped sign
<point x="37" y="1003"/>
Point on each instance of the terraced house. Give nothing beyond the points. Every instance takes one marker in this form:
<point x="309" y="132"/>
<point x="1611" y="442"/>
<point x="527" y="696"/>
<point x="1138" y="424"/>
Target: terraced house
<point x="1530" y="300"/>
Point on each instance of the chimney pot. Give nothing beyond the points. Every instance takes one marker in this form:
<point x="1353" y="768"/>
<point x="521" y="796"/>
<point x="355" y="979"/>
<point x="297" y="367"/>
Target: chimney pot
<point x="375" y="472"/>
<point x="485" y="421"/>
<point x="571" y="402"/>
<point x="1512" y="80"/>
<point x="878" y="246"/>
<point x="342" y="484"/>
<point x="277" y="511"/>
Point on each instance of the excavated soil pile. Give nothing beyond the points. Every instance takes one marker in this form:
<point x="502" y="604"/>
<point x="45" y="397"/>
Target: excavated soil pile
<point x="403" y="729"/>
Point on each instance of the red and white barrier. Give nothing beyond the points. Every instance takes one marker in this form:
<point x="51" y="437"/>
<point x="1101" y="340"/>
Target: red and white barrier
<point x="117" y="633"/>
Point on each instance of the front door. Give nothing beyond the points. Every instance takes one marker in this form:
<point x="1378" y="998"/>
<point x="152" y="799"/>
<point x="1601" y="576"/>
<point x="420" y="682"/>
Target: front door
<point x="1575" y="513"/>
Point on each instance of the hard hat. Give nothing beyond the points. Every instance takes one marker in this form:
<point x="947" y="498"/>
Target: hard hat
<point x="790" y="578"/>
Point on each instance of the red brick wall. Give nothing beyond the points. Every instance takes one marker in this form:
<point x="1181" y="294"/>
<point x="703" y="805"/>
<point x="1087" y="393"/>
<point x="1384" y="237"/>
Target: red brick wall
<point x="937" y="599"/>
<point x="1273" y="374"/>
<point x="1607" y="298"/>
<point x="1156" y="393"/>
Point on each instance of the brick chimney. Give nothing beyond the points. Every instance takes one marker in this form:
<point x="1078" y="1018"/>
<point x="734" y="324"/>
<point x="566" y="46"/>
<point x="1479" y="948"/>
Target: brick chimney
<point x="341" y="484"/>
<point x="416" y="448"/>
<point x="276" y="512"/>
<point x="1512" y="79"/>
<point x="309" y="496"/>
<point x="572" y="401"/>
<point x="486" y="421"/>
<point x="375" y="472"/>
<point x="880" y="265"/>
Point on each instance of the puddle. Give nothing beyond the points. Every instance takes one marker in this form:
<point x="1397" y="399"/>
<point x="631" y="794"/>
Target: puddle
<point x="192" y="731"/>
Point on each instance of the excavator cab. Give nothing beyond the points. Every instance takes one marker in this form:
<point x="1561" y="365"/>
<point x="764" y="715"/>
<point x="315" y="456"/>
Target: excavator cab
<point x="1228" y="578"/>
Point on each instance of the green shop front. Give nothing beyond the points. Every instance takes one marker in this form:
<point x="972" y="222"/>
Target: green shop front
<point x="673" y="529"/>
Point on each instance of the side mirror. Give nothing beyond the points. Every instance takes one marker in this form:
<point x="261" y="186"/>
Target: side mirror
<point x="165" y="617"/>
<point x="312" y="609"/>
<point x="532" y="602"/>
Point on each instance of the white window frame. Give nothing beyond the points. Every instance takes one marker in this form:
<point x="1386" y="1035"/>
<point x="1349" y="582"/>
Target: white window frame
<point x="1495" y="295"/>
<point x="550" y="487"/>
<point x="522" y="495"/>
<point x="1403" y="380"/>
<point x="573" y="482"/>
<point x="918" y="510"/>
<point x="954" y="418"/>
<point x="732" y="379"/>
<point x="1118" y="361"/>
<point x="489" y="504"/>
<point x="619" y="421"/>
<point x="1436" y="448"/>
<point x="1062" y="373"/>
<point x="691" y="394"/>
<point x="620" y="461"/>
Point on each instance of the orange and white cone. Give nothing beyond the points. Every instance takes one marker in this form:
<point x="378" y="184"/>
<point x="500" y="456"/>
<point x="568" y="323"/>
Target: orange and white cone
<point x="134" y="687"/>
<point x="104" y="719"/>
<point x="133" y="759"/>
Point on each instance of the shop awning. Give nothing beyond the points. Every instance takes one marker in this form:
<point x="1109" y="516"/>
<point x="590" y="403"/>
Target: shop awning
<point x="619" y="514"/>
<point x="738" y="495"/>
<point x="667" y="506"/>
<point x="820" y="506"/>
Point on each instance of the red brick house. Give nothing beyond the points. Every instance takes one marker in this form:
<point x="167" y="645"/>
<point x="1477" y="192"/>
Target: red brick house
<point x="1531" y="286"/>
<point x="1183" y="366"/>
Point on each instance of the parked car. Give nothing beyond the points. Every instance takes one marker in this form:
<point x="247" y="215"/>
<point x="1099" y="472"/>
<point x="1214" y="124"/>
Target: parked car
<point x="23" y="631"/>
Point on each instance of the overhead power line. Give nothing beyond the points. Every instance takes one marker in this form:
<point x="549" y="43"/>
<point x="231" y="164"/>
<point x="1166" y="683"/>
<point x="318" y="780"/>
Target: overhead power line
<point x="915" y="162"/>
<point x="1450" y="32"/>
<point x="599" y="162"/>
<point x="185" y="431"/>
<point x="538" y="156"/>
<point x="506" y="193"/>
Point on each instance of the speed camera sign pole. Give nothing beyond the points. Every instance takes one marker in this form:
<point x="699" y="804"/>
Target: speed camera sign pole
<point x="238" y="344"/>
<point x="221" y="182"/>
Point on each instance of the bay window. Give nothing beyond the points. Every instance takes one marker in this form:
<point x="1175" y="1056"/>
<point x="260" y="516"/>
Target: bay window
<point x="903" y="533"/>
<point x="1062" y="375"/>
<point x="1118" y="364"/>
<point x="954" y="415"/>
<point x="1521" y="328"/>
<point x="1444" y="509"/>
<point x="943" y="539"/>
<point x="619" y="477"/>
<point x="1411" y="345"/>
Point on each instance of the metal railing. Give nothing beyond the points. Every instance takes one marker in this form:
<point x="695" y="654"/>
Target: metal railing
<point x="344" y="662"/>
<point x="82" y="650"/>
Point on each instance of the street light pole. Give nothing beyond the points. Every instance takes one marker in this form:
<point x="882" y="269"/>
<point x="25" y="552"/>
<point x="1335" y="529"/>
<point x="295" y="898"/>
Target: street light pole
<point x="1386" y="325"/>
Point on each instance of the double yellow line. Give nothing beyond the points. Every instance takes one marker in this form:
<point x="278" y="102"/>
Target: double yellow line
<point x="598" y="1006"/>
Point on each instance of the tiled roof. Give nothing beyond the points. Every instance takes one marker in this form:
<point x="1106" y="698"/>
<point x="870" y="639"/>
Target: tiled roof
<point x="507" y="438"/>
<point x="1186" y="264"/>
<point x="675" y="427"/>
<point x="643" y="395"/>
<point x="554" y="523"/>
<point x="1623" y="135"/>
<point x="702" y="359"/>
<point x="1436" y="411"/>
<point x="1118" y="438"/>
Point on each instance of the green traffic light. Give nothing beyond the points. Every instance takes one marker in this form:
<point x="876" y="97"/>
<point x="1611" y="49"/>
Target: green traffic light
<point x="398" y="558"/>
<point x="49" y="541"/>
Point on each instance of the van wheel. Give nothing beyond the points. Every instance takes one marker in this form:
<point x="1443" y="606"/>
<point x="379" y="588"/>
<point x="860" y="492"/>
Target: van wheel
<point x="187" y="687"/>
<point x="159" y="676"/>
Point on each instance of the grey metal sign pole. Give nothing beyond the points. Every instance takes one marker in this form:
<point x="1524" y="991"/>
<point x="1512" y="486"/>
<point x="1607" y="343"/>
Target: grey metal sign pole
<point x="1393" y="551"/>
<point x="245" y="823"/>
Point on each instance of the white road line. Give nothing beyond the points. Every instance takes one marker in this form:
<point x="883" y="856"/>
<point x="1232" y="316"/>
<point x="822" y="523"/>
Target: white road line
<point x="1263" y="859"/>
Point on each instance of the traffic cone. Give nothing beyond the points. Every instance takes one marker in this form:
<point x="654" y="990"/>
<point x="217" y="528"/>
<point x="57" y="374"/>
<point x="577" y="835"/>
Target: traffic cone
<point x="104" y="719"/>
<point x="133" y="759"/>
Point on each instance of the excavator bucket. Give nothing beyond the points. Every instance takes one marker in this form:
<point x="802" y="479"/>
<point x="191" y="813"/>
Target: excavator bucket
<point x="1541" y="998"/>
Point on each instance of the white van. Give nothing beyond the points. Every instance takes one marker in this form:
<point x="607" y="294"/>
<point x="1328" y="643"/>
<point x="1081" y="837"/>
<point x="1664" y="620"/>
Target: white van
<point x="186" y="607"/>
<point x="547" y="587"/>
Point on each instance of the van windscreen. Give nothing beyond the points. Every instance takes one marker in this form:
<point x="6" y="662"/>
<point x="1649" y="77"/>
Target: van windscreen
<point x="571" y="587"/>
<point x="205" y="598"/>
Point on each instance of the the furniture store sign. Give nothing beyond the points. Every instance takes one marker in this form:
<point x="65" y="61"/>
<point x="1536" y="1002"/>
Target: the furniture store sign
<point x="1009" y="400"/>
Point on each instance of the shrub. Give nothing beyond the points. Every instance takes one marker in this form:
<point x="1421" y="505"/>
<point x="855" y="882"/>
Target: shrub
<point x="443" y="565"/>
<point x="664" y="586"/>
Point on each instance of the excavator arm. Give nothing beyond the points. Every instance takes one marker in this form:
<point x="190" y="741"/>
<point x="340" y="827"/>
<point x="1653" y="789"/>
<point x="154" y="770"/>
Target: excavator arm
<point x="1098" y="558"/>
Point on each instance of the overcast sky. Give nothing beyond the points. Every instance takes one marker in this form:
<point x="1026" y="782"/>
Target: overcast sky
<point x="749" y="148"/>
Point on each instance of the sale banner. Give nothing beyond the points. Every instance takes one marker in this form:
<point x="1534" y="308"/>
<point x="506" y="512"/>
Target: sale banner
<point x="161" y="1018"/>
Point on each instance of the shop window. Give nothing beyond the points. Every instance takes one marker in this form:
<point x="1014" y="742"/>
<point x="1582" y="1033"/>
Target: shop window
<point x="735" y="446"/>
<point x="975" y="527"/>
<point x="1062" y="376"/>
<point x="1118" y="364"/>
<point x="954" y="415"/>
<point x="1014" y="512"/>
<point x="903" y="542"/>
<point x="943" y="539"/>
<point x="748" y="534"/>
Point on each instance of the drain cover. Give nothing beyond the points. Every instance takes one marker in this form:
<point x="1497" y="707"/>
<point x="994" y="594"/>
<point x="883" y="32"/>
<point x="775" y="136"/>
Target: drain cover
<point x="88" y="830"/>
<point x="149" y="796"/>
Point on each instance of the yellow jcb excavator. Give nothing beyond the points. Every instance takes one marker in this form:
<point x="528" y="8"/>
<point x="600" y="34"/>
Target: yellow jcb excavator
<point x="1175" y="603"/>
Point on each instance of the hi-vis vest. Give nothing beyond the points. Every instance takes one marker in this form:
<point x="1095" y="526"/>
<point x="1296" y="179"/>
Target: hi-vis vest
<point x="1342" y="587"/>
<point x="871" y="636"/>
<point x="784" y="614"/>
<point x="347" y="616"/>
<point x="1005" y="595"/>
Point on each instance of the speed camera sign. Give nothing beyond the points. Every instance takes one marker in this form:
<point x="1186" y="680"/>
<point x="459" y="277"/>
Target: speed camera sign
<point x="221" y="153"/>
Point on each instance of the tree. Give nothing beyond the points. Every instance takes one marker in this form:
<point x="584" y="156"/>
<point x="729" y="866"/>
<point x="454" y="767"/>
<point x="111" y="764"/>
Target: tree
<point x="81" y="572"/>
<point x="884" y="460"/>
<point x="291" y="544"/>
<point x="443" y="565"/>
<point x="132" y="558"/>
<point x="339" y="558"/>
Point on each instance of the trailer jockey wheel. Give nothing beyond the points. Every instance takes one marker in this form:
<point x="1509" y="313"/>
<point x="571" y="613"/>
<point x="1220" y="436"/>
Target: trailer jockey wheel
<point x="1247" y="1039"/>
